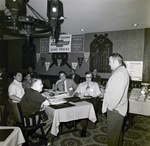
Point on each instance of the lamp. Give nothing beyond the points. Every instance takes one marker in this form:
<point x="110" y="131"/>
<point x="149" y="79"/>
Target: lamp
<point x="15" y="21"/>
<point x="55" y="13"/>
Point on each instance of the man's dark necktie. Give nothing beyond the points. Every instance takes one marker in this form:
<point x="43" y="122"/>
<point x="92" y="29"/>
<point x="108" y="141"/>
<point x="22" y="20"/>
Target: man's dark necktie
<point x="63" y="85"/>
<point x="87" y="86"/>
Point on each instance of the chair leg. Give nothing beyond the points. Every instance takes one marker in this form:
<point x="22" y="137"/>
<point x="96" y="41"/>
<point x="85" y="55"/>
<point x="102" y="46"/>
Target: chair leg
<point x="44" y="136"/>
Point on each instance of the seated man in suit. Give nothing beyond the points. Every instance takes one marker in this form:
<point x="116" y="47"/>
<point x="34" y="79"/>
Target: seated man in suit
<point x="88" y="90"/>
<point x="33" y="73"/>
<point x="96" y="77"/>
<point x="64" y="84"/>
<point x="74" y="76"/>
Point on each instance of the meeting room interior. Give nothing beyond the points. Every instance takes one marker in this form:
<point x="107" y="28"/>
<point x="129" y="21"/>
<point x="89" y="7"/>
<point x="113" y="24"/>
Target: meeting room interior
<point x="45" y="45"/>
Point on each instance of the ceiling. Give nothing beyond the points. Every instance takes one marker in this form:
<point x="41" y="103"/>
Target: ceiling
<point x="97" y="15"/>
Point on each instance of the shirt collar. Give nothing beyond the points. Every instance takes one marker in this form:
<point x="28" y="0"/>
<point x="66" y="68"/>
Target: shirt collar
<point x="17" y="81"/>
<point x="116" y="69"/>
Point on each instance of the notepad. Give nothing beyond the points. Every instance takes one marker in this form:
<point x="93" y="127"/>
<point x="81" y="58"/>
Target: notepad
<point x="4" y="133"/>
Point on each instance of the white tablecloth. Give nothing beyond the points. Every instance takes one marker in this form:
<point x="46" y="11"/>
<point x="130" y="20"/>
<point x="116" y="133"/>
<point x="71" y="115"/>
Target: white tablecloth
<point x="15" y="138"/>
<point x="136" y="106"/>
<point x="81" y="110"/>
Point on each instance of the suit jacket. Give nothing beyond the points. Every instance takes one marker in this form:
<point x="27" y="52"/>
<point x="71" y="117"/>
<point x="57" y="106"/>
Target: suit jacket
<point x="76" y="78"/>
<point x="97" y="79"/>
<point x="115" y="97"/>
<point x="70" y="86"/>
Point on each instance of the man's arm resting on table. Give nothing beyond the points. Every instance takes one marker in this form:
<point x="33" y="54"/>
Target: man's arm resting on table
<point x="14" y="97"/>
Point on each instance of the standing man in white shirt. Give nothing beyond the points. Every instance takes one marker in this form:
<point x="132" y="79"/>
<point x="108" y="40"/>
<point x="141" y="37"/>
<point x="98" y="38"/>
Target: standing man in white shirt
<point x="115" y="101"/>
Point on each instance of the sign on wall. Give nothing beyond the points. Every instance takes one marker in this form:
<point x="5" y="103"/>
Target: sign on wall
<point x="135" y="69"/>
<point x="63" y="44"/>
<point x="44" y="45"/>
<point x="77" y="43"/>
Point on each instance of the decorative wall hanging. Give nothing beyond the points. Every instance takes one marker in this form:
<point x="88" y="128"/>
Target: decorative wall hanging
<point x="29" y="54"/>
<point x="77" y="43"/>
<point x="100" y="50"/>
<point x="38" y="56"/>
<point x="86" y="56"/>
<point x="43" y="60"/>
<point x="60" y="59"/>
<point x="47" y="64"/>
<point x="74" y="65"/>
<point x="80" y="60"/>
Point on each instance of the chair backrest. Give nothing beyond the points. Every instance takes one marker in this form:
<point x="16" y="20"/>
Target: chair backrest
<point x="15" y="110"/>
<point x="30" y="120"/>
<point x="30" y="123"/>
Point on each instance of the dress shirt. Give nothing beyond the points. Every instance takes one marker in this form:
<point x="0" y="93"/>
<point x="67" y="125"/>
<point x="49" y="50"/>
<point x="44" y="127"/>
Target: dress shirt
<point x="15" y="88"/>
<point x="93" y="89"/>
<point x="115" y="97"/>
<point x="70" y="85"/>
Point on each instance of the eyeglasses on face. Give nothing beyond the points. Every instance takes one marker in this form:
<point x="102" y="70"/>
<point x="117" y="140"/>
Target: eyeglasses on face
<point x="88" y="77"/>
<point x="62" y="76"/>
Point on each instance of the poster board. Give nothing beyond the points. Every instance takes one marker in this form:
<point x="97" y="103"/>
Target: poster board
<point x="63" y="44"/>
<point x="135" y="69"/>
<point x="77" y="44"/>
<point x="44" y="45"/>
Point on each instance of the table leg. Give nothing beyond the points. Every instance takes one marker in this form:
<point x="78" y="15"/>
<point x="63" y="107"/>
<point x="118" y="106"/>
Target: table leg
<point x="129" y="118"/>
<point x="84" y="125"/>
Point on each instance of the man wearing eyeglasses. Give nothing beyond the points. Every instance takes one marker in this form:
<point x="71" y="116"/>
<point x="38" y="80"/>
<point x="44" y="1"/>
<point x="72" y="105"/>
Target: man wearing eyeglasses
<point x="88" y="91"/>
<point x="64" y="84"/>
<point x="88" y="88"/>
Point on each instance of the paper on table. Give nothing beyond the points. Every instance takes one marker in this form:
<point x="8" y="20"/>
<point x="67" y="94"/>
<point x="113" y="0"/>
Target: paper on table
<point x="135" y="93"/>
<point x="58" y="101"/>
<point x="61" y="96"/>
<point x="46" y="102"/>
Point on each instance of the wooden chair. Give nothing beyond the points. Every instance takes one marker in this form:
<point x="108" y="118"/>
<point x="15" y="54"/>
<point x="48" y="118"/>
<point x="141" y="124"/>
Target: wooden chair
<point x="30" y="123"/>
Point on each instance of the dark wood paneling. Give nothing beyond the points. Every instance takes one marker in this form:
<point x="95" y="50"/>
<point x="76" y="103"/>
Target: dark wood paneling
<point x="4" y="54"/>
<point x="146" y="60"/>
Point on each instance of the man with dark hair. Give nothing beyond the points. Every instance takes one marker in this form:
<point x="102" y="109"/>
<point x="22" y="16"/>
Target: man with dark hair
<point x="115" y="101"/>
<point x="33" y="73"/>
<point x="15" y="89"/>
<point x="27" y="80"/>
<point x="96" y="77"/>
<point x="74" y="76"/>
<point x="15" y="92"/>
<point x="64" y="84"/>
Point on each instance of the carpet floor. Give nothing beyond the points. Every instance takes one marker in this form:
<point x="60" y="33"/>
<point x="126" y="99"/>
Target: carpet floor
<point x="96" y="135"/>
<point x="138" y="135"/>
